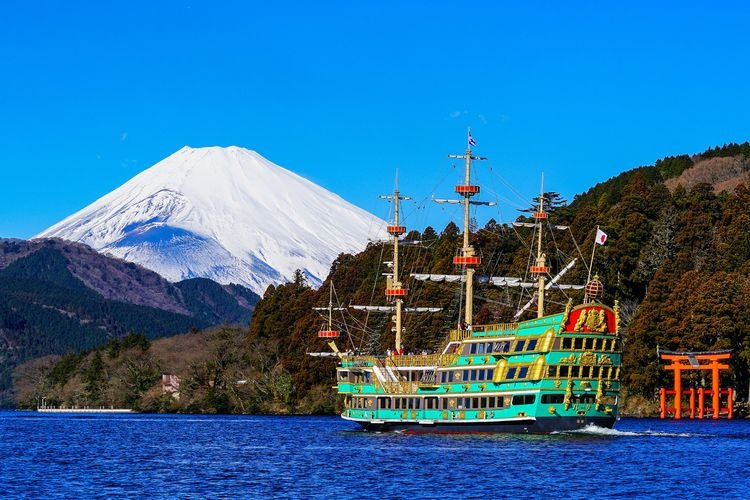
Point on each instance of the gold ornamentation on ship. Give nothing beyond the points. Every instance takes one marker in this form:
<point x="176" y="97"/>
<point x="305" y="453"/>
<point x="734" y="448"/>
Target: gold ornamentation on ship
<point x="557" y="383"/>
<point x="601" y="325"/>
<point x="582" y="318"/>
<point x="568" y="393"/>
<point x="605" y="359"/>
<point x="452" y="403"/>
<point x="467" y="387"/>
<point x="569" y="360"/>
<point x="593" y="319"/>
<point x="546" y="340"/>
<point x="457" y="376"/>
<point x="588" y="358"/>
<point x="566" y="314"/>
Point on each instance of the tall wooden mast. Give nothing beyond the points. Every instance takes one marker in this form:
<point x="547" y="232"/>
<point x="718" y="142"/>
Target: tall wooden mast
<point x="468" y="259"/>
<point x="394" y="288"/>
<point x="540" y="269"/>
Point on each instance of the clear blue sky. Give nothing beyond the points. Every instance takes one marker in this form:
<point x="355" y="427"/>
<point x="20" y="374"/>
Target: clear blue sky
<point x="91" y="93"/>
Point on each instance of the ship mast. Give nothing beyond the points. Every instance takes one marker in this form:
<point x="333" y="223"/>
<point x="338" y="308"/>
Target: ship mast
<point x="540" y="269"/>
<point x="394" y="288"/>
<point x="467" y="258"/>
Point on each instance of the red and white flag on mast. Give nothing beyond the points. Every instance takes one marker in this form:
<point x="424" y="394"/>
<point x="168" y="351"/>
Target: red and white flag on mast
<point x="601" y="237"/>
<point x="472" y="142"/>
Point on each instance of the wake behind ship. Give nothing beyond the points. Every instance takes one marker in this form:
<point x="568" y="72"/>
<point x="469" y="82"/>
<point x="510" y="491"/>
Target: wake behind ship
<point x="555" y="372"/>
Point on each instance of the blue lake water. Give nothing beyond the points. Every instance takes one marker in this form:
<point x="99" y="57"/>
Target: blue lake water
<point x="191" y="456"/>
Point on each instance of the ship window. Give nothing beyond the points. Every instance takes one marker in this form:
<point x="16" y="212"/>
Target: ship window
<point x="519" y="345"/>
<point x="474" y="374"/>
<point x="585" y="372"/>
<point x="595" y="371"/>
<point x="552" y="371"/>
<point x="567" y="343"/>
<point x="525" y="399"/>
<point x="475" y="403"/>
<point x="586" y="399"/>
<point x="578" y="343"/>
<point x="418" y="403"/>
<point x="532" y="345"/>
<point x="480" y="375"/>
<point x="554" y="399"/>
<point x="522" y="372"/>
<point x="473" y="349"/>
<point x="480" y="348"/>
<point x="564" y="371"/>
<point x="575" y="371"/>
<point x="466" y="375"/>
<point x="343" y="376"/>
<point x="466" y="403"/>
<point x="490" y="373"/>
<point x="483" y="402"/>
<point x="511" y="373"/>
<point x="489" y="347"/>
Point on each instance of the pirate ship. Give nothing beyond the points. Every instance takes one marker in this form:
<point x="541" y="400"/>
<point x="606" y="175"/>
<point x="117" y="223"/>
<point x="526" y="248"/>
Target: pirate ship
<point x="555" y="372"/>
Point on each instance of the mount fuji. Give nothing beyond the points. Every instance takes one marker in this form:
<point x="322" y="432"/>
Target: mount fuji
<point x="227" y="214"/>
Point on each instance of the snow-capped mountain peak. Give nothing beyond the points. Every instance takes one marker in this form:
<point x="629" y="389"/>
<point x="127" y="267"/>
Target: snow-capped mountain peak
<point x="222" y="213"/>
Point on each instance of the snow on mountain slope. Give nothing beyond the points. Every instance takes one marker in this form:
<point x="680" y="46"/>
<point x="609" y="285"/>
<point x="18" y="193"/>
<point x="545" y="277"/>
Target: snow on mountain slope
<point x="227" y="214"/>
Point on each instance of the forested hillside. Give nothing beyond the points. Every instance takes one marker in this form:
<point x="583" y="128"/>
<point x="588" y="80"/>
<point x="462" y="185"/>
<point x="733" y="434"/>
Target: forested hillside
<point x="58" y="297"/>
<point x="677" y="261"/>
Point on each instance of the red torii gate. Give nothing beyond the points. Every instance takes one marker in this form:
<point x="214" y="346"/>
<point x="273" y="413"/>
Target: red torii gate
<point x="680" y="361"/>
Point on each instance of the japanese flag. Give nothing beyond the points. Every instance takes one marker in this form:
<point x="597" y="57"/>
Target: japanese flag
<point x="601" y="237"/>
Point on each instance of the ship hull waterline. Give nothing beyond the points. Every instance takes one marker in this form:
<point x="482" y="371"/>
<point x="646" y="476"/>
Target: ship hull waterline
<point x="538" y="425"/>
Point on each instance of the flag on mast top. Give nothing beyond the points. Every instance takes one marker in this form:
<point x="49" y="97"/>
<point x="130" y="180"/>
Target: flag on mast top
<point x="601" y="237"/>
<point x="472" y="142"/>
